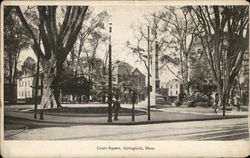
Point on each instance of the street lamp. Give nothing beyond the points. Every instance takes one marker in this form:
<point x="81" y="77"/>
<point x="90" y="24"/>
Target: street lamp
<point x="110" y="78"/>
<point x="148" y="78"/>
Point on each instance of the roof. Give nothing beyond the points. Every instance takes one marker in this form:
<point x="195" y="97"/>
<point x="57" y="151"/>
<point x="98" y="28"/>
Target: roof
<point x="136" y="70"/>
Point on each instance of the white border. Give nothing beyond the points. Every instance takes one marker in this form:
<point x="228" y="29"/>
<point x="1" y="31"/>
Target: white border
<point x="88" y="148"/>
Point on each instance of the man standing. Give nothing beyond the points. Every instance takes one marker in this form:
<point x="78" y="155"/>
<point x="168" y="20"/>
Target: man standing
<point x="216" y="101"/>
<point x="116" y="107"/>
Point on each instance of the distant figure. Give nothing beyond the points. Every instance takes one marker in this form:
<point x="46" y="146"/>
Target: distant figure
<point x="216" y="101"/>
<point x="116" y="107"/>
<point x="133" y="96"/>
<point x="237" y="102"/>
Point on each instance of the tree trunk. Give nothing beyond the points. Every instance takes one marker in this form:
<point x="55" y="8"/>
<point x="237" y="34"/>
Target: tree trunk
<point x="48" y="97"/>
<point x="51" y="92"/>
<point x="224" y="94"/>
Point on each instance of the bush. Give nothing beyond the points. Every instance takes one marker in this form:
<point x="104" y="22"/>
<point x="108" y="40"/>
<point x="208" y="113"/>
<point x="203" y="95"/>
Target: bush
<point x="202" y="104"/>
<point x="177" y="103"/>
<point x="188" y="104"/>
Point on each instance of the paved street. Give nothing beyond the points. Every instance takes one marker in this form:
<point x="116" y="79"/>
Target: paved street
<point x="219" y="130"/>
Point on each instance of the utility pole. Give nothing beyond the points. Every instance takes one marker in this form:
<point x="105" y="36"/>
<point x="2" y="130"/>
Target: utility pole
<point x="110" y="78"/>
<point x="37" y="81"/>
<point x="148" y="78"/>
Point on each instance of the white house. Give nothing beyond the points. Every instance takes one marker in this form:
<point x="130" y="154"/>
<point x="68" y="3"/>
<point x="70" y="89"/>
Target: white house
<point x="174" y="87"/>
<point x="25" y="87"/>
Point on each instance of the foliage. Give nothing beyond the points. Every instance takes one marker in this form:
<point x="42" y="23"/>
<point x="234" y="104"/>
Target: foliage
<point x="201" y="77"/>
<point x="15" y="40"/>
<point x="77" y="86"/>
<point x="83" y="59"/>
<point x="199" y="99"/>
<point x="29" y="66"/>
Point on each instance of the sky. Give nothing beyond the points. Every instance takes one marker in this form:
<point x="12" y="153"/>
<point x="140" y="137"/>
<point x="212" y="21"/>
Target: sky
<point x="122" y="18"/>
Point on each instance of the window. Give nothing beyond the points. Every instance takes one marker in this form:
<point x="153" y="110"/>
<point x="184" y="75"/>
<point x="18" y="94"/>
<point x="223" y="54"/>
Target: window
<point x="176" y="92"/>
<point x="25" y="83"/>
<point x="28" y="93"/>
<point x="171" y="93"/>
<point x="176" y="85"/>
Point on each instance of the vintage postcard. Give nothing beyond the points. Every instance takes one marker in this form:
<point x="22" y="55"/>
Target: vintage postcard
<point x="124" y="79"/>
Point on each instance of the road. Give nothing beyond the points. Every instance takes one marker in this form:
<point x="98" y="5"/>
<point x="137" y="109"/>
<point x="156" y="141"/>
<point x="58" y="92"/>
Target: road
<point x="219" y="130"/>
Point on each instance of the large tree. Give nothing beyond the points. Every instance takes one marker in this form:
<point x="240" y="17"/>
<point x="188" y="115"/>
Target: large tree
<point x="180" y="33"/>
<point x="84" y="59"/>
<point x="223" y="31"/>
<point x="15" y="40"/>
<point x="58" y="30"/>
<point x="145" y="35"/>
<point x="174" y="31"/>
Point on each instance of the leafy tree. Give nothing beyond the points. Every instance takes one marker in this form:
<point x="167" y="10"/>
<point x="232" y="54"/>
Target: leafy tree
<point x="83" y="59"/>
<point x="58" y="32"/>
<point x="15" y="40"/>
<point x="29" y="66"/>
<point x="76" y="86"/>
<point x="200" y="77"/>
<point x="224" y="35"/>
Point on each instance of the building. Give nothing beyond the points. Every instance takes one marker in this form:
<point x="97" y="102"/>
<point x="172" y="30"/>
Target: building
<point x="174" y="88"/>
<point x="121" y="72"/>
<point x="139" y="82"/>
<point x="244" y="76"/>
<point x="125" y="77"/>
<point x="26" y="89"/>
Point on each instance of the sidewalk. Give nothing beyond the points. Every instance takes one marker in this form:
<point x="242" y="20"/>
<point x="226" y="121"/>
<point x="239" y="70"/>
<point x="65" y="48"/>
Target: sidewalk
<point x="162" y="115"/>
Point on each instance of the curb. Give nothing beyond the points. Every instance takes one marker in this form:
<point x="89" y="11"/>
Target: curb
<point x="128" y="123"/>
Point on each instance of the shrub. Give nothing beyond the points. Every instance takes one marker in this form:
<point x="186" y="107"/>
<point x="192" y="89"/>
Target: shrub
<point x="177" y="103"/>
<point x="202" y="104"/>
<point x="188" y="104"/>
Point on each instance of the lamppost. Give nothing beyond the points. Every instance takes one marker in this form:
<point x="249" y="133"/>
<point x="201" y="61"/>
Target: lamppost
<point x="149" y="89"/>
<point x="110" y="78"/>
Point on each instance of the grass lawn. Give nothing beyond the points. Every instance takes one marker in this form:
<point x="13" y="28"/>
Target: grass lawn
<point x="88" y="111"/>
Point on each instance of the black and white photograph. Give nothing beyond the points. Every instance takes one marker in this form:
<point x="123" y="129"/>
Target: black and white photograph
<point x="125" y="73"/>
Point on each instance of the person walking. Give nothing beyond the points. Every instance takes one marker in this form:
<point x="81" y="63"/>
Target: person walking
<point x="116" y="107"/>
<point x="216" y="101"/>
